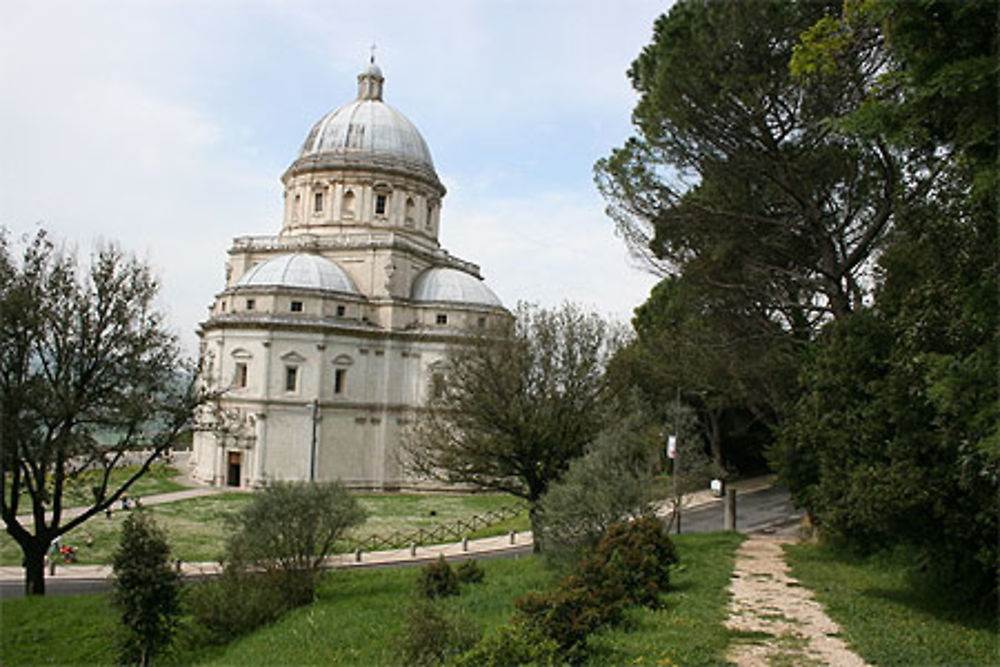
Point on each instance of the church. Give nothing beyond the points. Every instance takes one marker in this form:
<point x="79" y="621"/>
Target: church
<point x="328" y="336"/>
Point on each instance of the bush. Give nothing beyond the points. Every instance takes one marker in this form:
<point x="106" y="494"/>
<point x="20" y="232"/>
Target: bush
<point x="288" y="530"/>
<point x="637" y="555"/>
<point x="631" y="565"/>
<point x="431" y="634"/>
<point x="437" y="580"/>
<point x="233" y="605"/>
<point x="470" y="572"/>
<point x="612" y="482"/>
<point x="146" y="590"/>
<point x="511" y="645"/>
<point x="570" y="613"/>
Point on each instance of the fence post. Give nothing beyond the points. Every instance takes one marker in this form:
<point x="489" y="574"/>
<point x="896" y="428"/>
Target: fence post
<point x="357" y="555"/>
<point x="513" y="537"/>
<point x="729" y="515"/>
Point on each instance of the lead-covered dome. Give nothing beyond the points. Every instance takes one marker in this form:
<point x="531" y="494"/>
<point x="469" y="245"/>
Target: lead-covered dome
<point x="298" y="270"/>
<point x="443" y="284"/>
<point x="367" y="133"/>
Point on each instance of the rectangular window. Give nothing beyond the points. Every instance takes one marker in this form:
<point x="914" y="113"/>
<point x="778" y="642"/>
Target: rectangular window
<point x="339" y="378"/>
<point x="240" y="380"/>
<point x="250" y="304"/>
<point x="380" y="204"/>
<point x="481" y="322"/>
<point x="340" y="311"/>
<point x="318" y="202"/>
<point x="296" y="306"/>
<point x="291" y="378"/>
<point x="437" y="385"/>
<point x="442" y="318"/>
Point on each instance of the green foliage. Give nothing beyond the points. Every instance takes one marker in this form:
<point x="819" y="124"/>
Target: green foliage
<point x="288" y="530"/>
<point x="733" y="367"/>
<point x="631" y="565"/>
<point x="432" y="634"/>
<point x="511" y="409"/>
<point x="639" y="555"/>
<point x="568" y="615"/>
<point x="614" y="479"/>
<point x="734" y="179"/>
<point x="146" y="591"/>
<point x="511" y="645"/>
<point x="235" y="604"/>
<point x="437" y="580"/>
<point x="470" y="572"/>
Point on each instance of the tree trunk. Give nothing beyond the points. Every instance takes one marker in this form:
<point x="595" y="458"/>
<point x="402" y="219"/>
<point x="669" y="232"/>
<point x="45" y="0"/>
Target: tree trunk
<point x="34" y="568"/>
<point x="536" y="544"/>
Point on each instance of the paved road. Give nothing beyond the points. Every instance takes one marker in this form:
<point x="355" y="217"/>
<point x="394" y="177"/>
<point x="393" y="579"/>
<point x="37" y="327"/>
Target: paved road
<point x="767" y="510"/>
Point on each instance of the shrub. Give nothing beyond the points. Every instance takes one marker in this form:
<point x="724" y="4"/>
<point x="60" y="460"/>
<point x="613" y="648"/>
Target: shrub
<point x="431" y="634"/>
<point x="437" y="579"/>
<point x="470" y="572"/>
<point x="570" y="613"/>
<point x="638" y="556"/>
<point x="512" y="644"/>
<point x="612" y="482"/>
<point x="235" y="604"/>
<point x="146" y="590"/>
<point x="288" y="530"/>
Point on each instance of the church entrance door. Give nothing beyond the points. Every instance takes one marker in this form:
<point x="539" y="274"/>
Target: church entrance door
<point x="233" y="477"/>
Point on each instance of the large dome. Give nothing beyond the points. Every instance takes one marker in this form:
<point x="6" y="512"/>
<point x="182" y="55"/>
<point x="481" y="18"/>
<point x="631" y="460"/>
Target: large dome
<point x="452" y="286"/>
<point x="298" y="270"/>
<point x="367" y="133"/>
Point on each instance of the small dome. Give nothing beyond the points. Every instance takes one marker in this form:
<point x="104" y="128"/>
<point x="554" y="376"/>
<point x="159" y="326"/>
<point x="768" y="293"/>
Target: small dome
<point x="298" y="270"/>
<point x="451" y="285"/>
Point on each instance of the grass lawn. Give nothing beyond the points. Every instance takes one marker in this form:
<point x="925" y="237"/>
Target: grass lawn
<point x="358" y="618"/>
<point x="886" y="617"/>
<point x="197" y="528"/>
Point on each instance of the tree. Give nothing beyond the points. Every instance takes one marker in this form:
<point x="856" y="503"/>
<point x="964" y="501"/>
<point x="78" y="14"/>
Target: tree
<point x="90" y="378"/>
<point x="895" y="439"/>
<point x="734" y="368"/>
<point x="288" y="530"/>
<point x="513" y="408"/>
<point x="735" y="179"/>
<point x="146" y="590"/>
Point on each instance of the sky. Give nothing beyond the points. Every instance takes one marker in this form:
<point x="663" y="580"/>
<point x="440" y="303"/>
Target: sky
<point x="165" y="125"/>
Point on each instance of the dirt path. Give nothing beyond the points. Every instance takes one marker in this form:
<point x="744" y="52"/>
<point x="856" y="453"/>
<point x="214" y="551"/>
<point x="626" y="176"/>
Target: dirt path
<point x="780" y="622"/>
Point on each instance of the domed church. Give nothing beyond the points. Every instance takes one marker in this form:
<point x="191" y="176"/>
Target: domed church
<point x="328" y="336"/>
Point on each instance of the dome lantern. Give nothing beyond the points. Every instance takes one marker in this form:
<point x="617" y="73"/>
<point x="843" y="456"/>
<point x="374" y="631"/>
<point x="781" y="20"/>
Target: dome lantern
<point x="370" y="82"/>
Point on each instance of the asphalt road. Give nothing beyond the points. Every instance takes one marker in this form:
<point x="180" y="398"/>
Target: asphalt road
<point x="767" y="510"/>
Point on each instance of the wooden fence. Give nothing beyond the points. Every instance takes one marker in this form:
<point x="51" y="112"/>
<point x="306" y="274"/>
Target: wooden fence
<point x="452" y="531"/>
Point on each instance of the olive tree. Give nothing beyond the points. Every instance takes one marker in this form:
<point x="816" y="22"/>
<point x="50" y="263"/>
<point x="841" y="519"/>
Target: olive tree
<point x="91" y="379"/>
<point x="512" y="408"/>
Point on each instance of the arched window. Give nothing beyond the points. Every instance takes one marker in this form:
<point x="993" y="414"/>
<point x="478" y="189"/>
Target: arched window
<point x="410" y="211"/>
<point x="347" y="210"/>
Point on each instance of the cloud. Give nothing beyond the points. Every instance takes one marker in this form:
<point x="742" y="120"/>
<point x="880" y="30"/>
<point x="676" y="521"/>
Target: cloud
<point x="165" y="125"/>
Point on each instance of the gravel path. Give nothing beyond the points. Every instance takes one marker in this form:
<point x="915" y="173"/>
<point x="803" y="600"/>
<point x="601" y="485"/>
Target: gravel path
<point x="777" y="621"/>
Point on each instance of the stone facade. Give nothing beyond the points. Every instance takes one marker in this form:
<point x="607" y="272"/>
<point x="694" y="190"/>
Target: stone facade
<point x="327" y="336"/>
